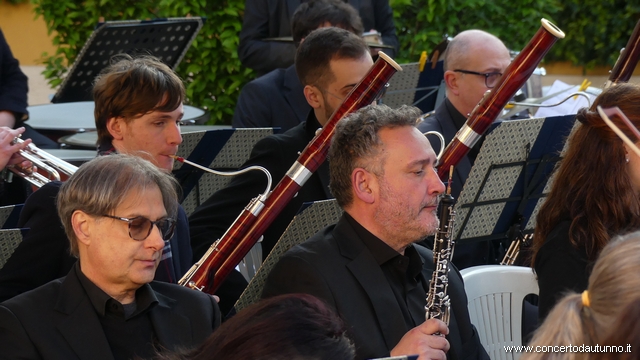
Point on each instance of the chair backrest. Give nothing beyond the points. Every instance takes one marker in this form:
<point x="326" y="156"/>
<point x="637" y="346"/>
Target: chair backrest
<point x="312" y="218"/>
<point x="9" y="241"/>
<point x="495" y="294"/>
<point x="9" y="215"/>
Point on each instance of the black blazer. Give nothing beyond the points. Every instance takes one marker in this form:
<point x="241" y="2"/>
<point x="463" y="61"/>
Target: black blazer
<point x="43" y="255"/>
<point x="13" y="82"/>
<point x="58" y="321"/>
<point x="273" y="100"/>
<point x="276" y="153"/>
<point x="272" y="18"/>
<point x="337" y="267"/>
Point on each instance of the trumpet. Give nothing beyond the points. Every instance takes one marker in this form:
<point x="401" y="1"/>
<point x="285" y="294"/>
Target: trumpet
<point x="42" y="160"/>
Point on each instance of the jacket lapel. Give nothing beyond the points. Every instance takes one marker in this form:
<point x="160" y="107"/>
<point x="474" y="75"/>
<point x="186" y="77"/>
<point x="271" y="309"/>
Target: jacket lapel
<point x="81" y="328"/>
<point x="172" y="329"/>
<point x="368" y="273"/>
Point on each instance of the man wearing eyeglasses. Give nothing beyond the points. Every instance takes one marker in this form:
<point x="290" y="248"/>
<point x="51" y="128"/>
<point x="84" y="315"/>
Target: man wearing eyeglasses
<point x="108" y="306"/>
<point x="138" y="107"/>
<point x="474" y="63"/>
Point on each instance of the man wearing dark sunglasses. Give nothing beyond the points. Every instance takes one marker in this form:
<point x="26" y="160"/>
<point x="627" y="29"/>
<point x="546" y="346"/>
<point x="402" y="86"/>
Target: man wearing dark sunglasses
<point x="138" y="107"/>
<point x="108" y="306"/>
<point x="473" y="64"/>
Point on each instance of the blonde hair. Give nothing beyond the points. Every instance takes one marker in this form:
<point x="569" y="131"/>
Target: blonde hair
<point x="613" y="285"/>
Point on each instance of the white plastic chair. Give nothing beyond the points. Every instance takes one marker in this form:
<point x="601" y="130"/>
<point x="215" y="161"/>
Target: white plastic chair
<point x="495" y="294"/>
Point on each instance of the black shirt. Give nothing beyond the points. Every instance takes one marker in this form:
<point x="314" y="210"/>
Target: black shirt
<point x="403" y="273"/>
<point x="127" y="327"/>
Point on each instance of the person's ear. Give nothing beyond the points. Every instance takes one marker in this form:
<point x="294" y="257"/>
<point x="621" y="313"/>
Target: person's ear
<point x="365" y="185"/>
<point x="116" y="127"/>
<point x="451" y="80"/>
<point x="314" y="96"/>
<point x="82" y="225"/>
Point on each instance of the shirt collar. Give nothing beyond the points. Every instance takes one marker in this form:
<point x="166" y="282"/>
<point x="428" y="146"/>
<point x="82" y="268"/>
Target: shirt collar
<point x="458" y="119"/>
<point x="145" y="296"/>
<point x="106" y="148"/>
<point x="379" y="249"/>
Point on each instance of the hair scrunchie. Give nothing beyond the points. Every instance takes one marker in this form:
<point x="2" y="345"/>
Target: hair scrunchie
<point x="585" y="298"/>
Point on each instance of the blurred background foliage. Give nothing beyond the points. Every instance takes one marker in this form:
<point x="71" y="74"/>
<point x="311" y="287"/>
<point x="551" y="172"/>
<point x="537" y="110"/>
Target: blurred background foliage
<point x="214" y="75"/>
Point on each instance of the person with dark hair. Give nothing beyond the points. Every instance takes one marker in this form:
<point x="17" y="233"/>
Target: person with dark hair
<point x="277" y="99"/>
<point x="108" y="306"/>
<point x="138" y="106"/>
<point x="293" y="326"/>
<point x="594" y="195"/>
<point x="588" y="317"/>
<point x="473" y="63"/>
<point x="265" y="19"/>
<point x="367" y="266"/>
<point x="329" y="62"/>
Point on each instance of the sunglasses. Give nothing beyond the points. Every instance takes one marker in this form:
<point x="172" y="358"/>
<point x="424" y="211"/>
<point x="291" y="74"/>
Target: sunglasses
<point x="140" y="227"/>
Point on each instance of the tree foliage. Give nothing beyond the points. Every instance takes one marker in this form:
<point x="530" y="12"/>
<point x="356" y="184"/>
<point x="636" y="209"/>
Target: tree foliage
<point x="214" y="75"/>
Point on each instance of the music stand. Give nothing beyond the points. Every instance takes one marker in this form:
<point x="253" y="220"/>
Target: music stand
<point x="414" y="87"/>
<point x="222" y="149"/>
<point x="167" y="39"/>
<point x="311" y="218"/>
<point x="510" y="178"/>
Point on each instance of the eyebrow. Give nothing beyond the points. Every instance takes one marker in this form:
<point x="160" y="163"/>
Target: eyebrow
<point x="349" y="85"/>
<point x="165" y="116"/>
<point x="420" y="162"/>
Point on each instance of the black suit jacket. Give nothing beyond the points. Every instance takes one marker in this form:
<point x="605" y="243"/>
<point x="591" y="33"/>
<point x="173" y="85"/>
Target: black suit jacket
<point x="337" y="267"/>
<point x="272" y="18"/>
<point x="273" y="100"/>
<point x="13" y="82"/>
<point x="43" y="255"/>
<point x="276" y="153"/>
<point x="58" y="321"/>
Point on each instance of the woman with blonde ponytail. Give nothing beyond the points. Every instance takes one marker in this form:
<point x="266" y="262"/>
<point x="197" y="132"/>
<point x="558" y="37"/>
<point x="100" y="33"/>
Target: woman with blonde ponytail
<point x="585" y="319"/>
<point x="595" y="195"/>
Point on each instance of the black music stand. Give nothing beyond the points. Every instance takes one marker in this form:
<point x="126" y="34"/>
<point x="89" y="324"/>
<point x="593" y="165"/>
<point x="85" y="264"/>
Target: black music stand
<point x="167" y="39"/>
<point x="222" y="149"/>
<point x="509" y="179"/>
<point x="9" y="215"/>
<point x="414" y="87"/>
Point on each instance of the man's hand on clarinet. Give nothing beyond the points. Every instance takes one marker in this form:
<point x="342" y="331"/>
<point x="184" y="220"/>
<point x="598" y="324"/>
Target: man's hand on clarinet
<point x="424" y="340"/>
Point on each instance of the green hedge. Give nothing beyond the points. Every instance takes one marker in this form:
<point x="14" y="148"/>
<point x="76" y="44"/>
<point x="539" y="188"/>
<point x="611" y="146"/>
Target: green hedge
<point x="211" y="68"/>
<point x="214" y="76"/>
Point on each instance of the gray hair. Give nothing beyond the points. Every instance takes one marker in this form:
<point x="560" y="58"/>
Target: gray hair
<point x="102" y="184"/>
<point x="356" y="143"/>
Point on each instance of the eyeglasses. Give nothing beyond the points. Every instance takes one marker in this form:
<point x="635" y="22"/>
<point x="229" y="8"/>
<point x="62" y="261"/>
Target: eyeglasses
<point x="490" y="78"/>
<point x="140" y="227"/>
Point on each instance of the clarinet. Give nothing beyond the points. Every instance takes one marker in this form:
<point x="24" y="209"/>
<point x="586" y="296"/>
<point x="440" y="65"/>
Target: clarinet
<point x="438" y="303"/>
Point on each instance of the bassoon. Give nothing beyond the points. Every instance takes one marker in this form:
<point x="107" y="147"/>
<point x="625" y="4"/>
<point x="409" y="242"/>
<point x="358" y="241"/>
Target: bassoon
<point x="627" y="61"/>
<point x="495" y="99"/>
<point x="226" y="253"/>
